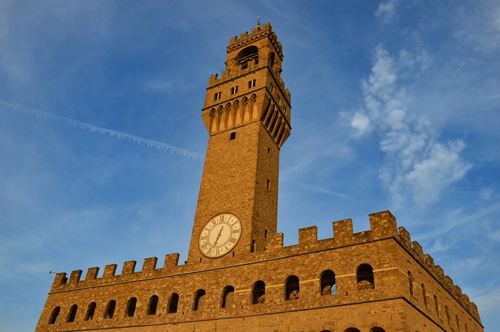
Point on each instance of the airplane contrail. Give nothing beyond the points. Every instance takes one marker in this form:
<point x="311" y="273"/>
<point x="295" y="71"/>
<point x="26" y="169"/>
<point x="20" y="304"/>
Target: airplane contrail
<point x="324" y="191"/>
<point x="103" y="131"/>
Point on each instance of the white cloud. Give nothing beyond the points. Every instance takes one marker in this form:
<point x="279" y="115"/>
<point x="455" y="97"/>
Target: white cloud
<point x="387" y="10"/>
<point x="418" y="166"/>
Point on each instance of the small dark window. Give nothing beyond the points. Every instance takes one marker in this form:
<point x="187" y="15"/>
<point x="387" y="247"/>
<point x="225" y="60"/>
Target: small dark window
<point x="199" y="300"/>
<point x="271" y="86"/>
<point x="252" y="246"/>
<point x="89" y="315"/>
<point x="131" y="307"/>
<point x="424" y="295"/>
<point x="251" y="84"/>
<point x="268" y="185"/>
<point x="292" y="288"/>
<point x="259" y="292"/>
<point x="72" y="313"/>
<point x="232" y="136"/>
<point x="54" y="315"/>
<point x="153" y="303"/>
<point x="110" y="309"/>
<point x="234" y="90"/>
<point x="217" y="96"/>
<point x="227" y="297"/>
<point x="265" y="234"/>
<point x="172" y="304"/>
<point x="410" y="281"/>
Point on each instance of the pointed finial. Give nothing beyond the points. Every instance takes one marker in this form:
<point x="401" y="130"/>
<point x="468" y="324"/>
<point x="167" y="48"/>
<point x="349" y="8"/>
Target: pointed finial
<point x="258" y="21"/>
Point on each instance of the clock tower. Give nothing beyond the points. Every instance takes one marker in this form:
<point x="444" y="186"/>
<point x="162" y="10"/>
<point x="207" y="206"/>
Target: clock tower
<point x="247" y="116"/>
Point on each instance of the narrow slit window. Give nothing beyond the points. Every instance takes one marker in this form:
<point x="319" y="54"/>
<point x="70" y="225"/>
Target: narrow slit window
<point x="232" y="136"/>
<point x="234" y="90"/>
<point x="217" y="96"/>
<point x="89" y="315"/>
<point x="268" y="185"/>
<point x="72" y="313"/>
<point x="251" y="84"/>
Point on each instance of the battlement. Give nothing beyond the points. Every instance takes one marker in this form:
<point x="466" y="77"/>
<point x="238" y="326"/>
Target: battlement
<point x="259" y="32"/>
<point x="383" y="226"/>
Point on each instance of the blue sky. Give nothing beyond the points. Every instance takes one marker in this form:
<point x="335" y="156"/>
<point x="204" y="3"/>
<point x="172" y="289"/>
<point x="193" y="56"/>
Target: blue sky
<point x="395" y="106"/>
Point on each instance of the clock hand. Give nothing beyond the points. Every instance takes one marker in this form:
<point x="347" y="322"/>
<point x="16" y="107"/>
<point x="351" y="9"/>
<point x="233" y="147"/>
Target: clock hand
<point x="218" y="236"/>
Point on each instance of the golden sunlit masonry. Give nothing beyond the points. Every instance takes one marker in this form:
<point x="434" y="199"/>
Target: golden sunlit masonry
<point x="239" y="276"/>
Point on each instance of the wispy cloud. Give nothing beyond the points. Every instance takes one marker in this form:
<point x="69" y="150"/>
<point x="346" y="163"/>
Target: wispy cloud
<point x="417" y="165"/>
<point x="103" y="131"/>
<point x="387" y="10"/>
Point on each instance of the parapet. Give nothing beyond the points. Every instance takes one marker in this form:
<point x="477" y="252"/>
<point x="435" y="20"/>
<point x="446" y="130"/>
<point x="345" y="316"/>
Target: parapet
<point x="383" y="226"/>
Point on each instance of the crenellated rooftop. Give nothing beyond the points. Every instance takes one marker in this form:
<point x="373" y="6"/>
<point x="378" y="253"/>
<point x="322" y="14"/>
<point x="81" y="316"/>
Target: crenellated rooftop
<point x="382" y="226"/>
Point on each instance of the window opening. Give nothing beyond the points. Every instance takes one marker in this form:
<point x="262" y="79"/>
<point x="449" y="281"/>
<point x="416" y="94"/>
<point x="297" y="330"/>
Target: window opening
<point x="447" y="315"/>
<point x="436" y="305"/>
<point x="131" y="307"/>
<point x="365" y="277"/>
<point x="352" y="329"/>
<point x="268" y="185"/>
<point x="252" y="246"/>
<point x="89" y="315"/>
<point x="424" y="296"/>
<point x="153" y="303"/>
<point x="247" y="55"/>
<point x="251" y="84"/>
<point x="217" y="96"/>
<point x="265" y="234"/>
<point x="328" y="286"/>
<point x="54" y="315"/>
<point x="228" y="297"/>
<point x="410" y="280"/>
<point x="377" y="329"/>
<point x="172" y="305"/>
<point x="199" y="300"/>
<point x="110" y="309"/>
<point x="232" y="136"/>
<point x="292" y="288"/>
<point x="234" y="90"/>
<point x="271" y="86"/>
<point x="72" y="313"/>
<point x="259" y="292"/>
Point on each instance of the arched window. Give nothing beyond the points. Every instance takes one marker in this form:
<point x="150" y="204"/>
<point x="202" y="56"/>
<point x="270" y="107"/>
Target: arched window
<point x="227" y="297"/>
<point x="131" y="307"/>
<point x="352" y="329"/>
<point x="424" y="295"/>
<point x="72" y="313"/>
<point x="328" y="286"/>
<point x="447" y="315"/>
<point x="365" y="277"/>
<point x="110" y="309"/>
<point x="436" y="305"/>
<point x="172" y="304"/>
<point x="246" y="55"/>
<point x="259" y="292"/>
<point x="153" y="303"/>
<point x="54" y="315"/>
<point x="199" y="300"/>
<point x="292" y="288"/>
<point x="410" y="280"/>
<point x="89" y="315"/>
<point x="377" y="329"/>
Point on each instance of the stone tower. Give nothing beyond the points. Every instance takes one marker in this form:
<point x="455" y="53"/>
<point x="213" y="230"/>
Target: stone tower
<point x="239" y="275"/>
<point x="247" y="116"/>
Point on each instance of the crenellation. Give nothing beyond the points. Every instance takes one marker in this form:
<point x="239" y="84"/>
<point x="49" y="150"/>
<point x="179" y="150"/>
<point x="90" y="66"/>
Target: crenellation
<point x="439" y="272"/>
<point x="404" y="235"/>
<point x="171" y="261"/>
<point x="128" y="267"/>
<point x="383" y="224"/>
<point x="74" y="278"/>
<point x="109" y="271"/>
<point x="429" y="261"/>
<point x="274" y="242"/>
<point x="343" y="231"/>
<point x="91" y="273"/>
<point x="417" y="250"/>
<point x="308" y="236"/>
<point x="448" y="284"/>
<point x="149" y="266"/>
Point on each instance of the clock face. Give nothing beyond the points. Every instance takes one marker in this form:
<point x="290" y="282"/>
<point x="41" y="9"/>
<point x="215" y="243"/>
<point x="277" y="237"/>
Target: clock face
<point x="220" y="235"/>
